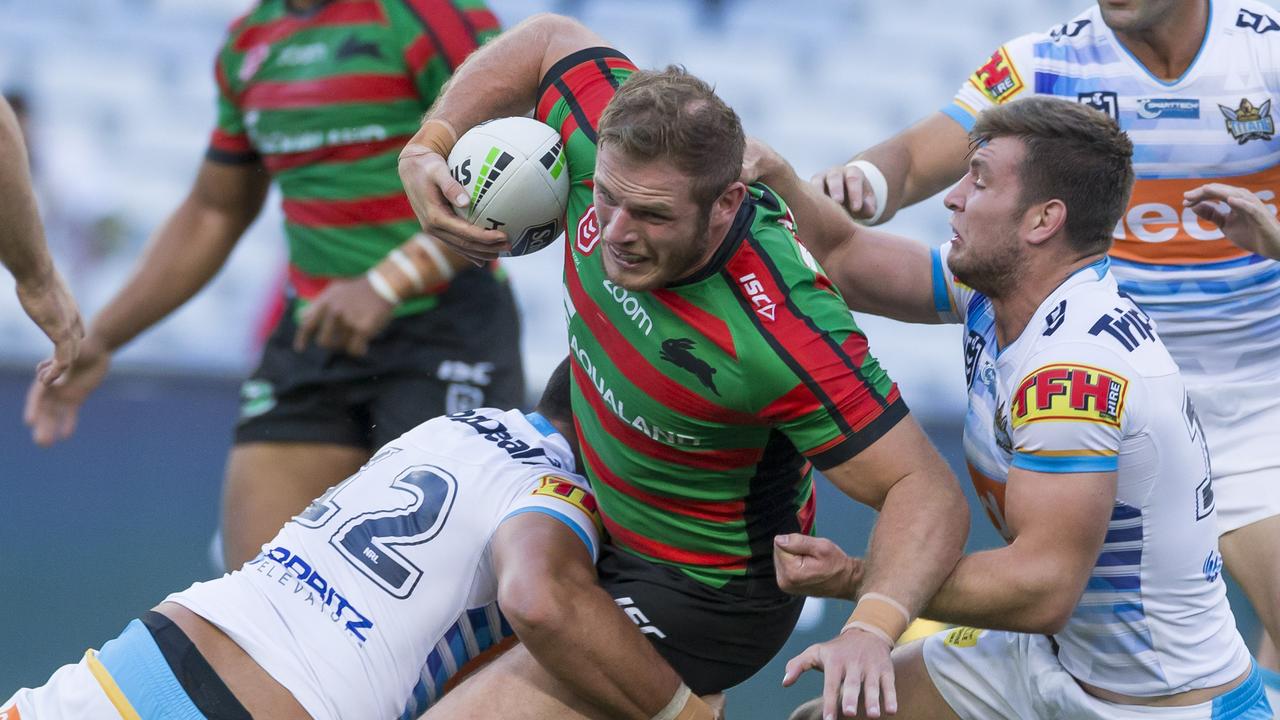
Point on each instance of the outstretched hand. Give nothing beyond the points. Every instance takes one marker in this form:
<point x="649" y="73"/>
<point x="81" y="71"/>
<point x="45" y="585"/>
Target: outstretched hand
<point x="856" y="665"/>
<point x="1241" y="216"/>
<point x="52" y="408"/>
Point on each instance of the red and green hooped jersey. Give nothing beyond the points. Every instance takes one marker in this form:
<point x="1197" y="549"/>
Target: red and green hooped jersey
<point x="703" y="407"/>
<point x="325" y="101"/>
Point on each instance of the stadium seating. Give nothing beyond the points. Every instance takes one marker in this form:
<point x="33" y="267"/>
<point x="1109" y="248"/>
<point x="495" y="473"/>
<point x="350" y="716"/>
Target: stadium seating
<point x="122" y="101"/>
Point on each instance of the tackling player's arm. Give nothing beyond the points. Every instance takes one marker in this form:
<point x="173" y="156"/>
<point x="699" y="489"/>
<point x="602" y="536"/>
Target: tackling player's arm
<point x="1058" y="522"/>
<point x="876" y="272"/>
<point x="500" y="79"/>
<point x="913" y="165"/>
<point x="184" y="254"/>
<point x="547" y="589"/>
<point x="41" y="290"/>
<point x="917" y="540"/>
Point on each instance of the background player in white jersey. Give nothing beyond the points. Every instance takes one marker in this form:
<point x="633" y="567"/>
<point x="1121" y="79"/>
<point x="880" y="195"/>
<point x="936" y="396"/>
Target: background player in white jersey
<point x="1108" y="600"/>
<point x="367" y="603"/>
<point x="1193" y="83"/>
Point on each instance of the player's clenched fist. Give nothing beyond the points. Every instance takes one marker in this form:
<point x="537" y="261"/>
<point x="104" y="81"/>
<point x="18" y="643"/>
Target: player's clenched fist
<point x="815" y="566"/>
<point x="849" y="187"/>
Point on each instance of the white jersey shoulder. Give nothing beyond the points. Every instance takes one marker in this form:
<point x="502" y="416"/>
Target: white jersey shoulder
<point x="1089" y="387"/>
<point x="1216" y="123"/>
<point x="366" y="603"/>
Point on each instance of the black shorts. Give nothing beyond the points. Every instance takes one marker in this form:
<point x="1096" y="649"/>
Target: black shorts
<point x="713" y="639"/>
<point x="464" y="353"/>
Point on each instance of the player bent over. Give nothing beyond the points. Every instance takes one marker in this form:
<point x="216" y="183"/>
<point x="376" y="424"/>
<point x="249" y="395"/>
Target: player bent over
<point x="368" y="602"/>
<point x="1108" y="600"/>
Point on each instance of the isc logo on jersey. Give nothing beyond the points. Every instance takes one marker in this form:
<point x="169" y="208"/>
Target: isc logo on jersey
<point x="998" y="79"/>
<point x="554" y="486"/>
<point x="1070" y="392"/>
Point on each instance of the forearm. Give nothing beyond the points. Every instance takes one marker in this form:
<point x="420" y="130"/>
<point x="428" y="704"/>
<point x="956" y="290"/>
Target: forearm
<point x="919" y="162"/>
<point x="599" y="652"/>
<point x="22" y="245"/>
<point x="917" y="540"/>
<point x="822" y="225"/>
<point x="186" y="252"/>
<point x="1003" y="589"/>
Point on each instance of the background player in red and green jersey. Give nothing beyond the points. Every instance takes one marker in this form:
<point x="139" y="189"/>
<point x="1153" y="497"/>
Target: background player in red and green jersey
<point x="715" y="367"/>
<point x="319" y="95"/>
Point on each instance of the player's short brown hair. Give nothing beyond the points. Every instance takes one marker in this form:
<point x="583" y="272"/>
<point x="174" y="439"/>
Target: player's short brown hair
<point x="1074" y="153"/>
<point x="674" y="116"/>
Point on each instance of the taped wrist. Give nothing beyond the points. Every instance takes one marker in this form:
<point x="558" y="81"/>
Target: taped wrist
<point x="879" y="615"/>
<point x="685" y="705"/>
<point x="435" y="135"/>
<point x="418" y="267"/>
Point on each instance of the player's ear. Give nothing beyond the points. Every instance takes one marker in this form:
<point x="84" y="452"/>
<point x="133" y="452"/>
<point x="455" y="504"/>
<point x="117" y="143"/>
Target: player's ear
<point x="1044" y="220"/>
<point x="726" y="206"/>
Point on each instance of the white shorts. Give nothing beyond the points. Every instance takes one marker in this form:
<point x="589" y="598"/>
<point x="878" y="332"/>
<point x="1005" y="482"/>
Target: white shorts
<point x="1240" y="423"/>
<point x="72" y="693"/>
<point x="994" y="675"/>
<point x="130" y="677"/>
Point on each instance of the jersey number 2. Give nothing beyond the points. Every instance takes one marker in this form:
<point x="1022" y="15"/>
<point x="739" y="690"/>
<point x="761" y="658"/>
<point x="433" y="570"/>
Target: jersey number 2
<point x="369" y="541"/>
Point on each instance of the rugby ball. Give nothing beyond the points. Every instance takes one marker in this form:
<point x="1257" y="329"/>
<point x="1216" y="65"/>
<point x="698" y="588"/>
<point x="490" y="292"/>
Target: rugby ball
<point x="515" y="173"/>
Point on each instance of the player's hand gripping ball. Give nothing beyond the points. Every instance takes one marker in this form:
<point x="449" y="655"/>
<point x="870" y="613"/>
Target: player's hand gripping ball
<point x="515" y="173"/>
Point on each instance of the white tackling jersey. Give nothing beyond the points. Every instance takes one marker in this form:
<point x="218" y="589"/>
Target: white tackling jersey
<point x="1089" y="387"/>
<point x="370" y="600"/>
<point x="1215" y="304"/>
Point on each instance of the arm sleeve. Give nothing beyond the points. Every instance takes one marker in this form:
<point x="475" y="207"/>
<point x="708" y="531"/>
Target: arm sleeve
<point x="1003" y="76"/>
<point x="572" y="97"/>
<point x="835" y="399"/>
<point x="1069" y="416"/>
<point x="229" y="143"/>
<point x="568" y="499"/>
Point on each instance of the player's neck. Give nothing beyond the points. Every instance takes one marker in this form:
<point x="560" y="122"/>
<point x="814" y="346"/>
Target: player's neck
<point x="1016" y="308"/>
<point x="1168" y="49"/>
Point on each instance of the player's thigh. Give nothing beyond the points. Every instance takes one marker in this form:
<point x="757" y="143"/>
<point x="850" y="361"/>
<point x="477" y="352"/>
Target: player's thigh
<point x="714" y="639"/>
<point x="918" y="699"/>
<point x="1252" y="555"/>
<point x="513" y="687"/>
<point x="268" y="483"/>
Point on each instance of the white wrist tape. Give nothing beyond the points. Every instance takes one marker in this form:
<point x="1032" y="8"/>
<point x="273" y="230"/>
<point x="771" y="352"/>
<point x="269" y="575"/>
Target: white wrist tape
<point x="432" y="247"/>
<point x="678" y="701"/>
<point x="879" y="187"/>
<point x="407" y="267"/>
<point x="382" y="287"/>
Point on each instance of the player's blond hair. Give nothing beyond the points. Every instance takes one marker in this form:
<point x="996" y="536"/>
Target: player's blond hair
<point x="1074" y="153"/>
<point x="674" y="116"/>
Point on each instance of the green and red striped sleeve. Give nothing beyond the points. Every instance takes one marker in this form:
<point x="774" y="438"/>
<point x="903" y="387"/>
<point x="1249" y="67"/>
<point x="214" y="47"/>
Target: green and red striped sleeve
<point x="840" y="400"/>
<point x="571" y="98"/>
